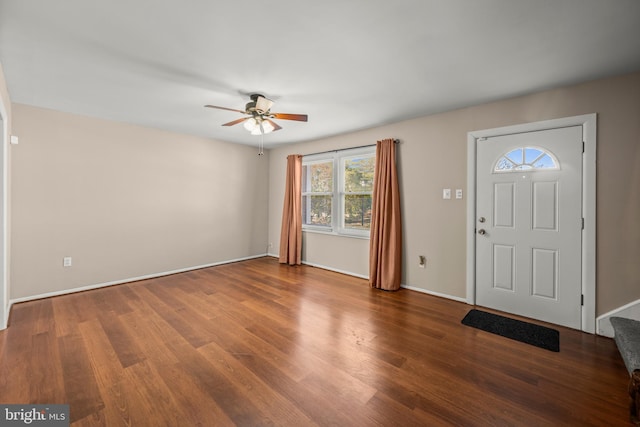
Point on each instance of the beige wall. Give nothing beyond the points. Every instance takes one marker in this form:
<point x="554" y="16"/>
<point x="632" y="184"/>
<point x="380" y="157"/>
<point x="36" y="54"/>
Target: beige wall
<point x="126" y="201"/>
<point x="432" y="156"/>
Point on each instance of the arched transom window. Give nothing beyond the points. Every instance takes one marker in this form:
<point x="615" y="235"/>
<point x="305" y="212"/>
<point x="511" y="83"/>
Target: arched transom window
<point x="526" y="159"/>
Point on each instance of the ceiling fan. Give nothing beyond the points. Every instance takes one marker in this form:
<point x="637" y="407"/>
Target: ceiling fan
<point x="259" y="111"/>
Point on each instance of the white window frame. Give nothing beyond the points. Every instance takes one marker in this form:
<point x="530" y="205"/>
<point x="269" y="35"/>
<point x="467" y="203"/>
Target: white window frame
<point x="317" y="159"/>
<point x="338" y="196"/>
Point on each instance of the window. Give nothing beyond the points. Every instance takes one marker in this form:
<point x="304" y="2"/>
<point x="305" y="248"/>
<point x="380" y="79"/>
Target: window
<point x="317" y="193"/>
<point x="337" y="191"/>
<point x="356" y="191"/>
<point x="526" y="159"/>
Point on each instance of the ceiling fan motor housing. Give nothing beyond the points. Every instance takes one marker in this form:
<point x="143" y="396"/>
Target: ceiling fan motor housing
<point x="250" y="107"/>
<point x="259" y="109"/>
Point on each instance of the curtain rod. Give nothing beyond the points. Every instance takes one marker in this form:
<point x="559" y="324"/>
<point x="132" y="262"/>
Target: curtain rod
<point x="396" y="141"/>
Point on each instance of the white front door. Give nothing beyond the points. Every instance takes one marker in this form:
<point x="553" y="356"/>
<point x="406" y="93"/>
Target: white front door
<point x="529" y="224"/>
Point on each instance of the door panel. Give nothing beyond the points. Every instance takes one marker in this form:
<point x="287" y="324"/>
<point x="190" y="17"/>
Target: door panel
<point x="504" y="267"/>
<point x="545" y="273"/>
<point x="504" y="210"/>
<point x="528" y="252"/>
<point x="545" y="206"/>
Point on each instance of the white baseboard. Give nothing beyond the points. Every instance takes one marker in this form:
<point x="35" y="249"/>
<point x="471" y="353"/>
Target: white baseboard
<point x="6" y="316"/>
<point x="412" y="288"/>
<point x="324" y="267"/>
<point x="629" y="311"/>
<point x="435" y="294"/>
<point x="184" y="270"/>
<point x="129" y="280"/>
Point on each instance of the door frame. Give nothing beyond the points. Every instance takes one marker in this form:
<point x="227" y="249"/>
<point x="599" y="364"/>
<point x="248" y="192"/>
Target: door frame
<point x="4" y="208"/>
<point x="589" y="134"/>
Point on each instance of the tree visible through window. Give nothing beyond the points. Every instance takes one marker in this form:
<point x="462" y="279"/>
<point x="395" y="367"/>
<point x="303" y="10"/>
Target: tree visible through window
<point x="337" y="191"/>
<point x="317" y="193"/>
<point x="358" y="189"/>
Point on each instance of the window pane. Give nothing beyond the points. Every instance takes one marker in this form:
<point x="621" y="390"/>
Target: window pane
<point x="358" y="174"/>
<point x="317" y="177"/>
<point x="316" y="210"/>
<point x="349" y="195"/>
<point x="516" y="156"/>
<point x="531" y="155"/>
<point x="357" y="211"/>
<point x="545" y="162"/>
<point x="526" y="159"/>
<point x="504" y="164"/>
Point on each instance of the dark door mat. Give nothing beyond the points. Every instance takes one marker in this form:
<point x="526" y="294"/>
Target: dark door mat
<point x="525" y="332"/>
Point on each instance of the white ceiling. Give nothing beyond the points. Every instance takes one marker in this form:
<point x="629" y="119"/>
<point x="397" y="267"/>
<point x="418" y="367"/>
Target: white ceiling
<point x="348" y="64"/>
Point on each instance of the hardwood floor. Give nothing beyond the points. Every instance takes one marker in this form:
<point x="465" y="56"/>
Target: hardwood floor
<point x="256" y="343"/>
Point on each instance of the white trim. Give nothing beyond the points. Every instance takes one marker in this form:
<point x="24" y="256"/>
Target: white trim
<point x="324" y="267"/>
<point x="129" y="280"/>
<point x="628" y="311"/>
<point x="6" y="319"/>
<point x="435" y="294"/>
<point x="589" y="131"/>
<point x="5" y="304"/>
<point x="337" y="159"/>
<point x="471" y="218"/>
<point x="366" y="277"/>
<point x="589" y="196"/>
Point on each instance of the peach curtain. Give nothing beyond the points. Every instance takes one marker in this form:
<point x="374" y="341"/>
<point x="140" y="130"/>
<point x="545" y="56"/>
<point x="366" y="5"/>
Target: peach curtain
<point x="385" y="244"/>
<point x="291" y="231"/>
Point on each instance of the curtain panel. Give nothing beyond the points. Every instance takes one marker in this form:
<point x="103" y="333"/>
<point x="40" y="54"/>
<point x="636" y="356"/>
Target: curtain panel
<point x="291" y="231"/>
<point x="385" y="244"/>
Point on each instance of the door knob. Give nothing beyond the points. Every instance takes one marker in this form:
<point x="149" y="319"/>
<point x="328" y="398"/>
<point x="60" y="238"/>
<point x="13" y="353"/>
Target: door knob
<point x="481" y="219"/>
<point x="482" y="232"/>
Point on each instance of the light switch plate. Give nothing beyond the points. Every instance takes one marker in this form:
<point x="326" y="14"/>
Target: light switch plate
<point x="446" y="193"/>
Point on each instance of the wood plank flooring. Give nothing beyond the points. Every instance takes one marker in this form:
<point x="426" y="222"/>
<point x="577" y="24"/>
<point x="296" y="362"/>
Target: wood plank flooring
<point x="256" y="343"/>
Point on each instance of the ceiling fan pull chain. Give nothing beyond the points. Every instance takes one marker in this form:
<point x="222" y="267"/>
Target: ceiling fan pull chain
<point x="259" y="117"/>
<point x="261" y="148"/>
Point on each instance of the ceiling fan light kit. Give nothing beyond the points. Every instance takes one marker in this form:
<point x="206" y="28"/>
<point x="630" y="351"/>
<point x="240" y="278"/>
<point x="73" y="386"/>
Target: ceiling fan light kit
<point x="257" y="126"/>
<point x="259" y="111"/>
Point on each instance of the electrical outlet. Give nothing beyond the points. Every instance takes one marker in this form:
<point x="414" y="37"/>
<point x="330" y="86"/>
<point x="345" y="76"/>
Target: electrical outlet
<point x="66" y="261"/>
<point x="459" y="193"/>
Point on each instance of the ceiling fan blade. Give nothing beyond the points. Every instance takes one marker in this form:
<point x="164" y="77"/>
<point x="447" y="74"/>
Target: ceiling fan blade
<point x="235" y="122"/>
<point x="286" y="116"/>
<point x="274" y="124"/>
<point x="263" y="104"/>
<point x="225" y="108"/>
